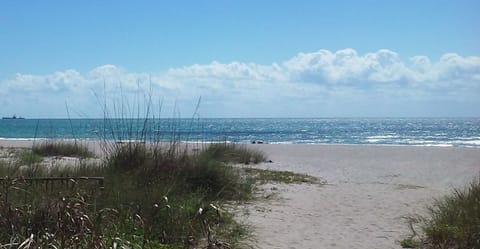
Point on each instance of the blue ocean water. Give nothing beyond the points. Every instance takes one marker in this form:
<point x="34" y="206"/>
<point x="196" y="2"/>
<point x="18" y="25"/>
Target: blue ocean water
<point x="459" y="132"/>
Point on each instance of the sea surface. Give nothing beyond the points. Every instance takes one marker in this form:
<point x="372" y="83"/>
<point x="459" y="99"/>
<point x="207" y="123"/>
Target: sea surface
<point x="458" y="132"/>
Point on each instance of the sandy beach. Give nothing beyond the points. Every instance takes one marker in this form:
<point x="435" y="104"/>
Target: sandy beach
<point x="369" y="193"/>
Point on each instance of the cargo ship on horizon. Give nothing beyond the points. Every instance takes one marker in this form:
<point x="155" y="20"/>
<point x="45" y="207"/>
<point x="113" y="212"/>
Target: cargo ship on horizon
<point x="13" y="117"/>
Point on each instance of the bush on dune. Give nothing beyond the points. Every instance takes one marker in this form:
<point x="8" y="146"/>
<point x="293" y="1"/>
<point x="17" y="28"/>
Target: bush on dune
<point x="207" y="172"/>
<point x="233" y="153"/>
<point x="55" y="148"/>
<point x="455" y="220"/>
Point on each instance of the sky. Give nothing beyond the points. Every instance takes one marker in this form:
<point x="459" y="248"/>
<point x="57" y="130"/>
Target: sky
<point x="244" y="58"/>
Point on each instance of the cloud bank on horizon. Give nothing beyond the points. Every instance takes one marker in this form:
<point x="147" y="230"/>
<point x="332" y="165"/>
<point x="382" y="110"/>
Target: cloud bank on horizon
<point x="316" y="84"/>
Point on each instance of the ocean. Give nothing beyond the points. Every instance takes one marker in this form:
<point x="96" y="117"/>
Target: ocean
<point x="457" y="132"/>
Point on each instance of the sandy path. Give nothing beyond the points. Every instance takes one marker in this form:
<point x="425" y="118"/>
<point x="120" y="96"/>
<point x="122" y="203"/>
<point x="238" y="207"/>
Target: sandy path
<point x="371" y="189"/>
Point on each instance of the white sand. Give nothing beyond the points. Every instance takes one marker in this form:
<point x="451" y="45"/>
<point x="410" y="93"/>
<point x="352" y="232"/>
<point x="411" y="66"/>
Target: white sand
<point x="371" y="190"/>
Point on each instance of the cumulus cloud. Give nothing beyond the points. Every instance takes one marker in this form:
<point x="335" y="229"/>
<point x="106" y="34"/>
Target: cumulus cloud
<point x="230" y="71"/>
<point x="304" y="78"/>
<point x="347" y="67"/>
<point x="56" y="82"/>
<point x="383" y="66"/>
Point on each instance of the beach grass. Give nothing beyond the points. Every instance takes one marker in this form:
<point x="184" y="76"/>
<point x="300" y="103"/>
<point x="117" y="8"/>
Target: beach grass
<point x="234" y="153"/>
<point x="455" y="219"/>
<point x="28" y="157"/>
<point x="452" y="222"/>
<point x="287" y="177"/>
<point x="155" y="195"/>
<point x="62" y="148"/>
<point x="409" y="243"/>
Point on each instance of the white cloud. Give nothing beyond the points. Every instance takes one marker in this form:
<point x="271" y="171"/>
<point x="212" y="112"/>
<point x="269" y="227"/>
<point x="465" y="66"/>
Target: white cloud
<point x="229" y="71"/>
<point x="56" y="82"/>
<point x="346" y="67"/>
<point x="316" y="77"/>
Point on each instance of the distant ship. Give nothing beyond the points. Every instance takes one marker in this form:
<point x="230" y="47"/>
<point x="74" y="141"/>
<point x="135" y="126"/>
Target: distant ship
<point x="13" y="117"/>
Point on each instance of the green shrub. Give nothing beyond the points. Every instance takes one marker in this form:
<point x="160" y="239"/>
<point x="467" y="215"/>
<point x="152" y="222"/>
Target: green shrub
<point x="127" y="157"/>
<point x="455" y="220"/>
<point x="218" y="181"/>
<point x="233" y="153"/>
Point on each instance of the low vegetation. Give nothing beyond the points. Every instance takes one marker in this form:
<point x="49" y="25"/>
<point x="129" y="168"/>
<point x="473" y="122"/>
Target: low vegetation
<point x="149" y="196"/>
<point x="287" y="177"/>
<point x="453" y="221"/>
<point x="59" y="148"/>
<point x="28" y="157"/>
<point x="233" y="153"/>
<point x="409" y="243"/>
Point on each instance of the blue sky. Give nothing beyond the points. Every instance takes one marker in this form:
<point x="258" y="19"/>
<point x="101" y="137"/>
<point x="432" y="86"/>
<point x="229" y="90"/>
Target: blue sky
<point x="245" y="58"/>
